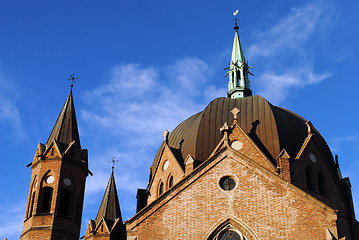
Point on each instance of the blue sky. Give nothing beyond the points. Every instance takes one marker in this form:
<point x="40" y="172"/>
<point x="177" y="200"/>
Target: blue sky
<point x="145" y="66"/>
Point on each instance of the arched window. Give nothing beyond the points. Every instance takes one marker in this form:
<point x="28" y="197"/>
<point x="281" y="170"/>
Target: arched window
<point x="309" y="179"/>
<point x="321" y="184"/>
<point x="32" y="195"/>
<point x="170" y="181"/>
<point x="45" y="200"/>
<point x="160" y="189"/>
<point x="65" y="202"/>
<point x="228" y="232"/>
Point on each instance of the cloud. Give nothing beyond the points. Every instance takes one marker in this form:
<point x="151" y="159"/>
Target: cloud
<point x="11" y="220"/>
<point x="293" y="30"/>
<point x="282" y="51"/>
<point x="9" y="112"/>
<point x="274" y="83"/>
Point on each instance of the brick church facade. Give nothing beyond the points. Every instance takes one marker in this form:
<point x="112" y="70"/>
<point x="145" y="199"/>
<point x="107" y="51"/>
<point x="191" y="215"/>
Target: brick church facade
<point x="241" y="169"/>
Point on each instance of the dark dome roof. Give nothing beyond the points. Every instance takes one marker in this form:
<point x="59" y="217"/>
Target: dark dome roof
<point x="272" y="128"/>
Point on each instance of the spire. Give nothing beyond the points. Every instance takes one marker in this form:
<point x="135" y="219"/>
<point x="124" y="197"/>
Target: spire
<point x="110" y="206"/>
<point x="238" y="85"/>
<point x="65" y="129"/>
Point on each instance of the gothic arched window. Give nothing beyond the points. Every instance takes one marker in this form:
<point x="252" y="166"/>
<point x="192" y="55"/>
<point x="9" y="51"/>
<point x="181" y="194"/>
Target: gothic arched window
<point x="321" y="184"/>
<point x="229" y="232"/>
<point x="170" y="181"/>
<point x="160" y="189"/>
<point x="65" y="202"/>
<point x="309" y="179"/>
<point x="46" y="198"/>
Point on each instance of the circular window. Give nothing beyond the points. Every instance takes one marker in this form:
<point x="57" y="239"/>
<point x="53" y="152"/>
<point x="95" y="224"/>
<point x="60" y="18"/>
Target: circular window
<point x="313" y="157"/>
<point x="237" y="145"/>
<point x="67" y="182"/>
<point x="50" y="179"/>
<point x="165" y="165"/>
<point x="227" y="183"/>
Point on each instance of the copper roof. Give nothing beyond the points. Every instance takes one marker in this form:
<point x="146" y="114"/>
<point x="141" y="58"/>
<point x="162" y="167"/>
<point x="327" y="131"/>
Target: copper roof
<point x="110" y="206"/>
<point x="272" y="128"/>
<point x="65" y="130"/>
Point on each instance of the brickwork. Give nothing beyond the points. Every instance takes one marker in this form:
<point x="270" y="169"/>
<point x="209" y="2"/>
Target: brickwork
<point x="333" y="195"/>
<point x="262" y="205"/>
<point x="163" y="174"/>
<point x="51" y="224"/>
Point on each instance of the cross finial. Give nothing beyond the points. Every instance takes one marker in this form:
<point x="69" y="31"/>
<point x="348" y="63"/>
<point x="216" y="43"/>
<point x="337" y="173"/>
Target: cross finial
<point x="113" y="161"/>
<point x="235" y="112"/>
<point x="73" y="79"/>
<point x="165" y="136"/>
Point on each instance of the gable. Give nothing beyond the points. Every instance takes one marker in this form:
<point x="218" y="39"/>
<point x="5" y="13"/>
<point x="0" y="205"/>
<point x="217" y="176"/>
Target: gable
<point x="167" y="167"/>
<point x="268" y="207"/>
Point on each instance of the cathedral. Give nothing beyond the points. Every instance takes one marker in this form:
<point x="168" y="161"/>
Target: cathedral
<point x="241" y="169"/>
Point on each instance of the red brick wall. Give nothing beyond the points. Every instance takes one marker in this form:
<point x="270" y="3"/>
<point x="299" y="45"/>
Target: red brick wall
<point x="334" y="195"/>
<point x="263" y="205"/>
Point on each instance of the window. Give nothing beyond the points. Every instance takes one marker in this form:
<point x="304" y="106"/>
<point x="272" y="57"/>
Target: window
<point x="65" y="201"/>
<point x="229" y="235"/>
<point x="31" y="205"/>
<point x="227" y="183"/>
<point x="46" y="198"/>
<point x="170" y="182"/>
<point x="309" y="179"/>
<point x="321" y="184"/>
<point x="160" y="189"/>
<point x="229" y="232"/>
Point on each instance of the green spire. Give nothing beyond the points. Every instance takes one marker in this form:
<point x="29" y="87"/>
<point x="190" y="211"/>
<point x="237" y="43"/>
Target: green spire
<point x="238" y="85"/>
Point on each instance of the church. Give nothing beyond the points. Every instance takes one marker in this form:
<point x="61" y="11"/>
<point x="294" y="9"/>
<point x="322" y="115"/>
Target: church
<point x="241" y="169"/>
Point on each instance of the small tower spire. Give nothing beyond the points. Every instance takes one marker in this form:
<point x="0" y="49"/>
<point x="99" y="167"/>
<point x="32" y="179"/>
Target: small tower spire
<point x="238" y="85"/>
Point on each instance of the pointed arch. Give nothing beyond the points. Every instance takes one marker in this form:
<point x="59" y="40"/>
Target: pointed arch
<point x="31" y="200"/>
<point x="169" y="181"/>
<point x="321" y="184"/>
<point x="45" y="196"/>
<point x="231" y="227"/>
<point x="309" y="179"/>
<point x="160" y="189"/>
<point x="66" y="196"/>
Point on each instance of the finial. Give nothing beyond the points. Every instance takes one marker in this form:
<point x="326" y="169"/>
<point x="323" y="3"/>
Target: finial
<point x="309" y="126"/>
<point x="113" y="161"/>
<point x="235" y="112"/>
<point x="235" y="19"/>
<point x="73" y="79"/>
<point x="165" y="136"/>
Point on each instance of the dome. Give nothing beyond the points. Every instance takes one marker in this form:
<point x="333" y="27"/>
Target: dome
<point x="272" y="128"/>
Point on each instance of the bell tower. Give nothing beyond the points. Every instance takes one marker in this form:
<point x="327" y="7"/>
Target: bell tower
<point x="59" y="171"/>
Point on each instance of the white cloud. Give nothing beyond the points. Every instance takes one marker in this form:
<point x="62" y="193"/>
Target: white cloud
<point x="282" y="52"/>
<point x="276" y="87"/>
<point x="293" y="30"/>
<point x="11" y="220"/>
<point x="9" y="112"/>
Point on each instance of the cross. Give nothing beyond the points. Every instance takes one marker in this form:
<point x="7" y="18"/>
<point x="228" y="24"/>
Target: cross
<point x="113" y="161"/>
<point x="73" y="79"/>
<point x="235" y="112"/>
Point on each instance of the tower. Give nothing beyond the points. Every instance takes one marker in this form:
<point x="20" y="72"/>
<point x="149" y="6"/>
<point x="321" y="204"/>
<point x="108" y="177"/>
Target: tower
<point x="59" y="171"/>
<point x="238" y="85"/>
<point x="108" y="223"/>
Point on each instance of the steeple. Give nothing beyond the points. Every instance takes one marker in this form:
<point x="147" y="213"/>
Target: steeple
<point x="108" y="223"/>
<point x="238" y="85"/>
<point x="65" y="130"/>
<point x="110" y="206"/>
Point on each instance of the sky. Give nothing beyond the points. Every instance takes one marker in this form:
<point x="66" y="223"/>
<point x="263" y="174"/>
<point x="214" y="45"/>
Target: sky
<point x="145" y="66"/>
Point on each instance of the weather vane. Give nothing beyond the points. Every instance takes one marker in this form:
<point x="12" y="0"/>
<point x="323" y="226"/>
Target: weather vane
<point x="235" y="16"/>
<point x="73" y="79"/>
<point x="113" y="161"/>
